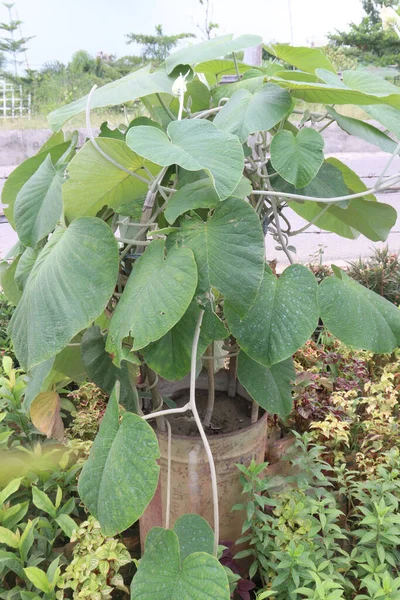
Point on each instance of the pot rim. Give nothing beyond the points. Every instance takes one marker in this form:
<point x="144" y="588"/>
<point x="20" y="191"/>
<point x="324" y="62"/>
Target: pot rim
<point x="164" y="434"/>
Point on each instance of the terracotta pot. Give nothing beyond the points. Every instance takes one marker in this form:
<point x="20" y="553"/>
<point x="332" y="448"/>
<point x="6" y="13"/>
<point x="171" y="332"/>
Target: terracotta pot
<point x="190" y="472"/>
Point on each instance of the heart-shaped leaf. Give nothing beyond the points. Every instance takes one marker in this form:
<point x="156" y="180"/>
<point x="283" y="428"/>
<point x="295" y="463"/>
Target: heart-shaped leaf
<point x="94" y="182"/>
<point x="229" y="251"/>
<point x="73" y="264"/>
<point x="195" y="145"/>
<point x="246" y="113"/>
<point x="102" y="371"/>
<point x="170" y="356"/>
<point x="157" y="295"/>
<point x="282" y="317"/>
<point x="364" y="131"/>
<point x="297" y="158"/>
<point x="38" y="205"/>
<point x="121" y="474"/>
<point x="45" y="415"/>
<point x="163" y="574"/>
<point x="302" y="57"/>
<point x="270" y="387"/>
<point x="357" y="316"/>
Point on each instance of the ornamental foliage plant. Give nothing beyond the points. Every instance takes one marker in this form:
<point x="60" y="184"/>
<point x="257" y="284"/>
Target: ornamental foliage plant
<point x="146" y="247"/>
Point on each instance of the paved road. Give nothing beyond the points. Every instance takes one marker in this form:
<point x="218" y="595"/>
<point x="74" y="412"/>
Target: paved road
<point x="336" y="249"/>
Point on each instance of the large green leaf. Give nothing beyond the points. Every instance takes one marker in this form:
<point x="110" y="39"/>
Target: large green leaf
<point x="229" y="251"/>
<point x="357" y="316"/>
<point x="365" y="131"/>
<point x="246" y="113"/>
<point x="138" y="84"/>
<point x="77" y="268"/>
<point x="170" y="356"/>
<point x="198" y="194"/>
<point x="102" y="371"/>
<point x="159" y="290"/>
<point x="350" y="177"/>
<point x="282" y="317"/>
<point x="23" y="173"/>
<point x="38" y="205"/>
<point x="270" y="387"/>
<point x="297" y="158"/>
<point x="121" y="474"/>
<point x="215" y="48"/>
<point x="194" y="535"/>
<point x="373" y="219"/>
<point x="164" y="574"/>
<point x="328" y="183"/>
<point x="302" y="57"/>
<point x="95" y="182"/>
<point x="213" y="70"/>
<point x="226" y="91"/>
<point x="194" y="145"/>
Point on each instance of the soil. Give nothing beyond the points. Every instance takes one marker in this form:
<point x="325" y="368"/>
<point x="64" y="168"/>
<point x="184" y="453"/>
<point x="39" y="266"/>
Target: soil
<point x="230" y="414"/>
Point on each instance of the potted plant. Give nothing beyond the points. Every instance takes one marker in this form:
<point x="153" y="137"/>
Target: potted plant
<point x="143" y="254"/>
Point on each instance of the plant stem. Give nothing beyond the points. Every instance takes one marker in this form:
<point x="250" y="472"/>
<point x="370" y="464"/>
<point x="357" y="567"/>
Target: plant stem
<point x="202" y="433"/>
<point x="279" y="230"/>
<point x="155" y="395"/>
<point x="254" y="412"/>
<point x="168" y="506"/>
<point x="168" y="411"/>
<point x="236" y="66"/>
<point x="169" y="113"/>
<point x="211" y="386"/>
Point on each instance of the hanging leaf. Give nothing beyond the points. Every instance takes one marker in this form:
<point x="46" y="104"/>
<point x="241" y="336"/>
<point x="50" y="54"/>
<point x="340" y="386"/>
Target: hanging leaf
<point x="78" y="267"/>
<point x="194" y="144"/>
<point x="364" y="131"/>
<point x="351" y="179"/>
<point x="228" y="249"/>
<point x="199" y="194"/>
<point x="210" y="49"/>
<point x="45" y="415"/>
<point x="357" y="316"/>
<point x="297" y="159"/>
<point x="138" y="84"/>
<point x="170" y="356"/>
<point x="7" y="280"/>
<point x="23" y="173"/>
<point x="94" y="182"/>
<point x="36" y="378"/>
<point x="102" y="371"/>
<point x="270" y="387"/>
<point x="160" y="288"/>
<point x="302" y="57"/>
<point x="281" y="318"/>
<point x="25" y="266"/>
<point x="163" y="573"/>
<point x="121" y="474"/>
<point x="246" y="113"/>
<point x="38" y="205"/>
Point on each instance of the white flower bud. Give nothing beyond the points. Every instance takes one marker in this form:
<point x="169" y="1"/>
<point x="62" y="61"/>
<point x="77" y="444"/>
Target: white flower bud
<point x="179" y="86"/>
<point x="390" y="18"/>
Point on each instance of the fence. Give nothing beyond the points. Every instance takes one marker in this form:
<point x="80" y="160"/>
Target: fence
<point x="13" y="103"/>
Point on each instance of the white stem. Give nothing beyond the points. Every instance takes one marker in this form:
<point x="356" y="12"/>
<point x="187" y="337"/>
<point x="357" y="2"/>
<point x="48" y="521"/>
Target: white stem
<point x="168" y="411"/>
<point x="391" y="159"/>
<point x="99" y="150"/>
<point x="203" y="436"/>
<point x="390" y="181"/>
<point x="168" y="507"/>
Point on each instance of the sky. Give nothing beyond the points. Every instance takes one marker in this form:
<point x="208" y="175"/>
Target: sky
<point x="63" y="26"/>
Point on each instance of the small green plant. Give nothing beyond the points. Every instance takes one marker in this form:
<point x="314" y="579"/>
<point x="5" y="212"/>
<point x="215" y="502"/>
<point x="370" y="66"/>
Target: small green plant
<point x="91" y="404"/>
<point x="94" y="570"/>
<point x="295" y="531"/>
<point x="380" y="273"/>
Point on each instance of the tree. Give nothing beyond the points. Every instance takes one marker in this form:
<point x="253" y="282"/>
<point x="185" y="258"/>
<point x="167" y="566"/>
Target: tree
<point x="157" y="47"/>
<point x="209" y="25"/>
<point x="11" y="44"/>
<point x="367" y="41"/>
